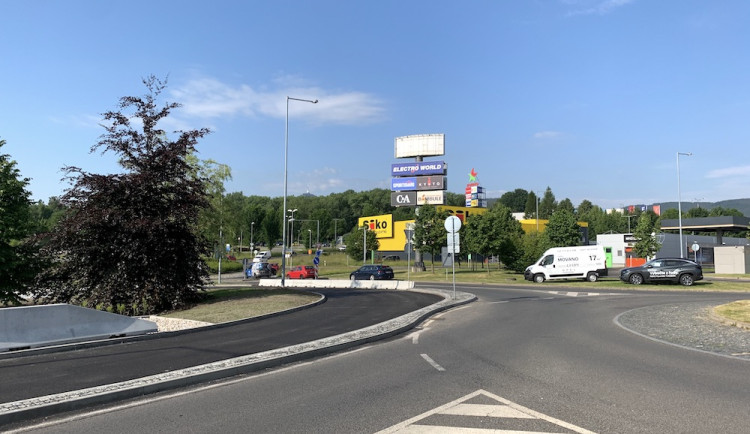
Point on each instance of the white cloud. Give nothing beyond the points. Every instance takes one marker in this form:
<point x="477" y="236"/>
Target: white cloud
<point x="598" y="7"/>
<point x="544" y="135"/>
<point x="211" y="98"/>
<point x="729" y="172"/>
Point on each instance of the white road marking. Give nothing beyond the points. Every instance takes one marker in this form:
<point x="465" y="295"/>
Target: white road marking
<point x="138" y="402"/>
<point x="415" y="337"/>
<point x="504" y="409"/>
<point x="432" y="362"/>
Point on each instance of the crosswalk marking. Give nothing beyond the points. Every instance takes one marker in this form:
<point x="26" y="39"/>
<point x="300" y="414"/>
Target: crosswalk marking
<point x="461" y="417"/>
<point x="486" y="410"/>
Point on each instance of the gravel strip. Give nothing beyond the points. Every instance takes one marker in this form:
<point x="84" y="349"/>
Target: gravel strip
<point x="688" y="325"/>
<point x="173" y="324"/>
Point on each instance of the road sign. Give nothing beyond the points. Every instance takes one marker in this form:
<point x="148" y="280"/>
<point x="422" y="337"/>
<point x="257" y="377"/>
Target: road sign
<point x="454" y="243"/>
<point x="452" y="224"/>
<point x="316" y="260"/>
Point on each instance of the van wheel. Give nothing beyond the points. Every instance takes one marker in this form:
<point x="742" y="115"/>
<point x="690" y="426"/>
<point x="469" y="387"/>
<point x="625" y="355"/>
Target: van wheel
<point x="539" y="278"/>
<point x="592" y="277"/>
<point x="686" y="280"/>
<point x="636" y="279"/>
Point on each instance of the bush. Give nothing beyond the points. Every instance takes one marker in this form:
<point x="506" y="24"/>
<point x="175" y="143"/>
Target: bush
<point x="226" y="266"/>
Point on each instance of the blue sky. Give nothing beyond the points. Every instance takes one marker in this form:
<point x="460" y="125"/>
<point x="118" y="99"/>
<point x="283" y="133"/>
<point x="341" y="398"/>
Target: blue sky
<point x="593" y="98"/>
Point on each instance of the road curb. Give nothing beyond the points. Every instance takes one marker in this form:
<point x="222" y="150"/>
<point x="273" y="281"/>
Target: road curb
<point x="49" y="405"/>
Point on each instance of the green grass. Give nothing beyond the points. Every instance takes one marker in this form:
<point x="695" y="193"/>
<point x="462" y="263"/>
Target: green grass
<point x="232" y="304"/>
<point x="735" y="311"/>
<point x="334" y="266"/>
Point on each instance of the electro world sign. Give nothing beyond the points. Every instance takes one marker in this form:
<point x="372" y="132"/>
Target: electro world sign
<point x="419" y="168"/>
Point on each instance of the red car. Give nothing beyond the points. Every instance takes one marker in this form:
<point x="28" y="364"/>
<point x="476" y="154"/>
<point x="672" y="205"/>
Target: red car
<point x="302" y="272"/>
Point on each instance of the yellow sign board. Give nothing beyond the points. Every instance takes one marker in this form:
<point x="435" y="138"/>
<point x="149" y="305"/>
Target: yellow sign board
<point x="462" y="212"/>
<point x="382" y="225"/>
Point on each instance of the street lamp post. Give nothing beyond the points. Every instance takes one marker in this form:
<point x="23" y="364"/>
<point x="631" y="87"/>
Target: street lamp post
<point x="364" y="245"/>
<point x="679" y="201"/>
<point x="286" y="161"/>
<point x="318" y="224"/>
<point x="335" y="237"/>
<point x="252" y="245"/>
<point x="309" y="231"/>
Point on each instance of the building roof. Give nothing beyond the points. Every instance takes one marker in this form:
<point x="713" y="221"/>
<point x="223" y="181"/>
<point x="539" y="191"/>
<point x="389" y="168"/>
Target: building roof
<point x="708" y="224"/>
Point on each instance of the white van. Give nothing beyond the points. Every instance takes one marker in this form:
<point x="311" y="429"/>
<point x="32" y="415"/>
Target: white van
<point x="262" y="256"/>
<point x="577" y="262"/>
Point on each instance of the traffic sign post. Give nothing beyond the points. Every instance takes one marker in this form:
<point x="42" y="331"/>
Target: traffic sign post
<point x="452" y="225"/>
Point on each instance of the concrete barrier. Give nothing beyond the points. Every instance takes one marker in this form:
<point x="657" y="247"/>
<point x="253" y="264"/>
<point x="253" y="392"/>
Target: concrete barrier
<point x="55" y="324"/>
<point x="338" y="283"/>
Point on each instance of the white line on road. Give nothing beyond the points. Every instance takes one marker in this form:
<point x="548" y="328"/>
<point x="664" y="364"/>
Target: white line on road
<point x="432" y="362"/>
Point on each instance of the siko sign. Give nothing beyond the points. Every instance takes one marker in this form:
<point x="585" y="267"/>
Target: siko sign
<point x="404" y="198"/>
<point x="419" y="168"/>
<point x="382" y="225"/>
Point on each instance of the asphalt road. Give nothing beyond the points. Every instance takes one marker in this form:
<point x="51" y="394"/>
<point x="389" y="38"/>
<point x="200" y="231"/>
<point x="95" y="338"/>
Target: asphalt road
<point x="345" y="310"/>
<point x="517" y="359"/>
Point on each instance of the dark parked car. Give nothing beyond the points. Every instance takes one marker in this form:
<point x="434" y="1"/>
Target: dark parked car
<point x="260" y="269"/>
<point x="674" y="270"/>
<point x="372" y="272"/>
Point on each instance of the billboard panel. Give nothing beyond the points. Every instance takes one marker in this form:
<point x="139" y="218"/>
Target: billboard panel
<point x="430" y="198"/>
<point x="382" y="225"/>
<point x="404" y="198"/>
<point x="400" y="184"/>
<point x="432" y="182"/>
<point x="419" y="168"/>
<point x="419" y="145"/>
<point x="462" y="212"/>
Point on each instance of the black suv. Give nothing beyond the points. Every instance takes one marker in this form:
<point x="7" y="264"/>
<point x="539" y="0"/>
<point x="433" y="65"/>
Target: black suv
<point x="663" y="270"/>
<point x="372" y="272"/>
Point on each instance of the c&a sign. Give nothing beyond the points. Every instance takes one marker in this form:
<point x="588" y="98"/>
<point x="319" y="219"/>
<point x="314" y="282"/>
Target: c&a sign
<point x="382" y="225"/>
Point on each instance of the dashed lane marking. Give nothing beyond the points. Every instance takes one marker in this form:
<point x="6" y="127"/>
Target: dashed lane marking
<point x="434" y="364"/>
<point x="482" y="412"/>
<point x="581" y="294"/>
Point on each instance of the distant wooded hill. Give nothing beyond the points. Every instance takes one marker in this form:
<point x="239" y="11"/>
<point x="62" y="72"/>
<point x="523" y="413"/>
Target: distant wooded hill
<point x="741" y="205"/>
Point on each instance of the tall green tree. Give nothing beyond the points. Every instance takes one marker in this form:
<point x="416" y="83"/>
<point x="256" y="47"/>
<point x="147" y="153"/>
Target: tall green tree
<point x="567" y="205"/>
<point x="562" y="230"/>
<point x="495" y="233"/>
<point x="547" y="205"/>
<point x="16" y="252"/>
<point x="515" y="200"/>
<point x="131" y="242"/>
<point x="646" y="246"/>
<point x="530" y="209"/>
<point x="355" y="243"/>
<point x="429" y="231"/>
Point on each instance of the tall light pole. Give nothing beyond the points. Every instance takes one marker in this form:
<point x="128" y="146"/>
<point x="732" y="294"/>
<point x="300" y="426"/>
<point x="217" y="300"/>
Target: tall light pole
<point x="318" y="224"/>
<point x="364" y="245"/>
<point x="252" y="245"/>
<point x="286" y="160"/>
<point x="335" y="237"/>
<point x="679" y="201"/>
<point x="291" y="237"/>
<point x="309" y="231"/>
